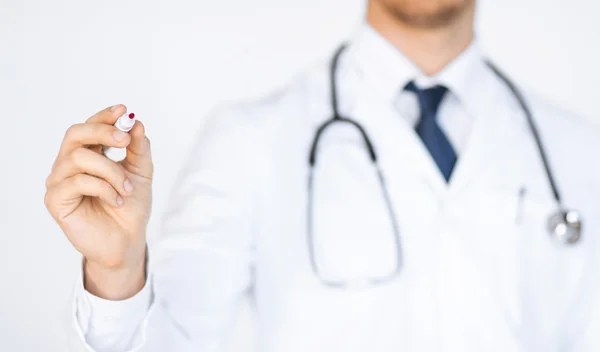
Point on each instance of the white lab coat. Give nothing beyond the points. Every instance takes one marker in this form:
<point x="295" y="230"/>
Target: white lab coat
<point x="479" y="271"/>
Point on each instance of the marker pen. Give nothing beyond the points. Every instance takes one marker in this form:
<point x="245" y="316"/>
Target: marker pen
<point x="125" y="124"/>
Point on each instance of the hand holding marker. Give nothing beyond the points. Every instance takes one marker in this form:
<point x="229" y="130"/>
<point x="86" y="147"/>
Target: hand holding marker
<point x="103" y="205"/>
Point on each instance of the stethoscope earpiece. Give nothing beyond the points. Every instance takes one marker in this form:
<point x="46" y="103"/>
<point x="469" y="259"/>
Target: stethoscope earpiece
<point x="565" y="226"/>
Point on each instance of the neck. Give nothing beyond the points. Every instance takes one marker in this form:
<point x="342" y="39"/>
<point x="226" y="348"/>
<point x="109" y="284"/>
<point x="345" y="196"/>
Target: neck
<point x="431" y="49"/>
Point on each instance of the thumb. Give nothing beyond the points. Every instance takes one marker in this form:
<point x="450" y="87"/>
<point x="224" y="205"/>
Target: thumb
<point x="139" y="158"/>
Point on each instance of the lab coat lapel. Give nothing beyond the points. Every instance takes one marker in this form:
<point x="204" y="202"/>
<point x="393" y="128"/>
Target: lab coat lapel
<point x="489" y="142"/>
<point x="402" y="154"/>
<point x="415" y="155"/>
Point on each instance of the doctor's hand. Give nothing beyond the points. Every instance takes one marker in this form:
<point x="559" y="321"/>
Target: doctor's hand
<point x="102" y="206"/>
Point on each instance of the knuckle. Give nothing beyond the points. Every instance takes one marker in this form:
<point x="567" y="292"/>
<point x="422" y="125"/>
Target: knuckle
<point x="50" y="205"/>
<point x="71" y="132"/>
<point x="48" y="200"/>
<point x="48" y="181"/>
<point x="57" y="165"/>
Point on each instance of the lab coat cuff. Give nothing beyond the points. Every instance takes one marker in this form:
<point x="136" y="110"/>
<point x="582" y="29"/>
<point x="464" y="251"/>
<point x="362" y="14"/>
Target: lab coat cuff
<point x="106" y="316"/>
<point x="108" y="313"/>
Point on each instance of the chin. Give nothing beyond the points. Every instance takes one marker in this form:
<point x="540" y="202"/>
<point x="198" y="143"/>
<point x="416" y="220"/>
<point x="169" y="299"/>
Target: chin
<point x="427" y="13"/>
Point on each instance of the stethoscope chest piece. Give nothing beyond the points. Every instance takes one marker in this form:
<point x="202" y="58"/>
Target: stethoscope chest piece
<point x="565" y="226"/>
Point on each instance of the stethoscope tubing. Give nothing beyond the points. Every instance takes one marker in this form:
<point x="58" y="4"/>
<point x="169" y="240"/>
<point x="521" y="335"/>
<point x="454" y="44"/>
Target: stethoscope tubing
<point x="564" y="225"/>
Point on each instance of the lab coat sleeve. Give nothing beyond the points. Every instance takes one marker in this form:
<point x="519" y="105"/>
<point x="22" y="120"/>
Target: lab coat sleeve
<point x="200" y="266"/>
<point x="110" y="325"/>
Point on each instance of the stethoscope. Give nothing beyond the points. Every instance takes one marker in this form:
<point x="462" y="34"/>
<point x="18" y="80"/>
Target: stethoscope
<point x="563" y="225"/>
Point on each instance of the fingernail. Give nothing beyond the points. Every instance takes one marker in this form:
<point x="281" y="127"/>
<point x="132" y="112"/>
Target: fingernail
<point x="113" y="108"/>
<point x="128" y="186"/>
<point x="120" y="201"/>
<point x="119" y="136"/>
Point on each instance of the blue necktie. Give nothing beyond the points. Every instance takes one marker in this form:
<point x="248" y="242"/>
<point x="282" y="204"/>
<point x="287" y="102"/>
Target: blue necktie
<point x="430" y="132"/>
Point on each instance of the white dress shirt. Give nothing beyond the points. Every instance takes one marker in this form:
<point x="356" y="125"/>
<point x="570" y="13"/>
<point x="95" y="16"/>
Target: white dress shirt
<point x="391" y="71"/>
<point x="479" y="272"/>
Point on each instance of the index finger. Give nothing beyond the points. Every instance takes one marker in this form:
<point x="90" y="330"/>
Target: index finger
<point x="109" y="115"/>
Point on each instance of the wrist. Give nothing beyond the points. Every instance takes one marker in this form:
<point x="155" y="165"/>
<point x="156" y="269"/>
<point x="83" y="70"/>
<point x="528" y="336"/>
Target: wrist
<point x="115" y="284"/>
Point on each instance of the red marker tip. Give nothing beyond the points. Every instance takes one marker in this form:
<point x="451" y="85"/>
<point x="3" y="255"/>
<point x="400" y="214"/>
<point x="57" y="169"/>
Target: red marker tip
<point x="131" y="116"/>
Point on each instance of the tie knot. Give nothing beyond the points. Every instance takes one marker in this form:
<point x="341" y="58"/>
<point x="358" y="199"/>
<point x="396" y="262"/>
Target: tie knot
<point x="429" y="99"/>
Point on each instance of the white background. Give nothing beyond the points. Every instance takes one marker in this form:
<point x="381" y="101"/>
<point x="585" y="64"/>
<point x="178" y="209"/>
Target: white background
<point x="171" y="62"/>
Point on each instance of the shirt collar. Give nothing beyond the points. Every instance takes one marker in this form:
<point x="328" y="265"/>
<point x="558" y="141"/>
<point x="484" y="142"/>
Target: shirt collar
<point x="387" y="70"/>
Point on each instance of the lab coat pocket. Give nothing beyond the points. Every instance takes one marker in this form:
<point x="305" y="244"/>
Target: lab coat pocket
<point x="552" y="273"/>
<point x="492" y="249"/>
<point x="535" y="279"/>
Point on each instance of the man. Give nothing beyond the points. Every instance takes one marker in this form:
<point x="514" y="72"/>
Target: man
<point x="453" y="245"/>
